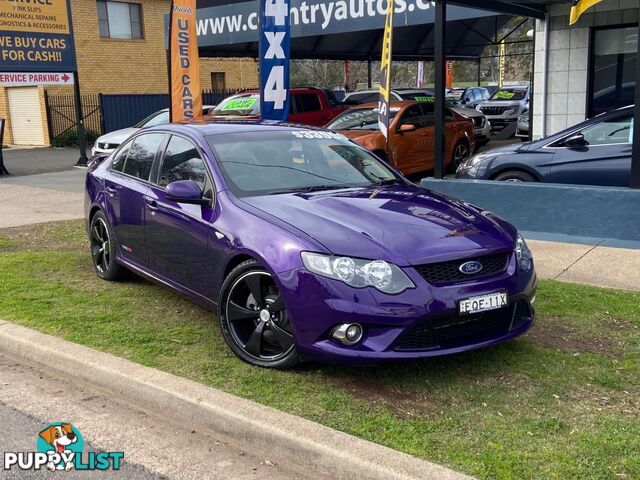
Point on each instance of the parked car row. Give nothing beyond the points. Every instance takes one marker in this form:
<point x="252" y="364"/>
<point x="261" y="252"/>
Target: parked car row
<point x="596" y="152"/>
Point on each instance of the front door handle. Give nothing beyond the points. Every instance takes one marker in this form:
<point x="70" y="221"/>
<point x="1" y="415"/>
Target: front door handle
<point x="151" y="205"/>
<point x="111" y="191"/>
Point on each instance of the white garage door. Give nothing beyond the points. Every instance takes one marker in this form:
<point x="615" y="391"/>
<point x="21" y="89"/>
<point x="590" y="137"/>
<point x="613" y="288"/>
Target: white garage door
<point x="26" y="117"/>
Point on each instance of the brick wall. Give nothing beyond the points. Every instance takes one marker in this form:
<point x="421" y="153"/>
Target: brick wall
<point x="109" y="65"/>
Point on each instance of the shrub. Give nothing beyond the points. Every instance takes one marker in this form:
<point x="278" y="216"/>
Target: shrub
<point x="70" y="138"/>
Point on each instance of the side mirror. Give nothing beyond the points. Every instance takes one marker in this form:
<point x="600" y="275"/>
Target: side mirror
<point x="407" y="127"/>
<point x="576" y="141"/>
<point x="186" y="191"/>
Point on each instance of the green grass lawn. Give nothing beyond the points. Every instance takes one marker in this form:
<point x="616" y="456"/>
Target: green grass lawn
<point x="561" y="402"/>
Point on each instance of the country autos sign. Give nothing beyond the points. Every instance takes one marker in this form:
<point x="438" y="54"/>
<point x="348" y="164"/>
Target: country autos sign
<point x="36" y="36"/>
<point x="238" y="22"/>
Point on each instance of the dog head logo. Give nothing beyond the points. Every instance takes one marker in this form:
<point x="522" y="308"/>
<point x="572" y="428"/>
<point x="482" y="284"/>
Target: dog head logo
<point x="64" y="440"/>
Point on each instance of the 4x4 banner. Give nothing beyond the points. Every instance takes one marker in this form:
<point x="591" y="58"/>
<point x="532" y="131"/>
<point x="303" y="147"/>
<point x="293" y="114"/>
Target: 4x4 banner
<point x="36" y="36"/>
<point x="184" y="62"/>
<point x="275" y="51"/>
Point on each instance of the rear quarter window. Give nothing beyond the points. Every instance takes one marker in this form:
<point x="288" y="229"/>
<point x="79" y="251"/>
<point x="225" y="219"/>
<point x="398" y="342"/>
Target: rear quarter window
<point x="307" y="102"/>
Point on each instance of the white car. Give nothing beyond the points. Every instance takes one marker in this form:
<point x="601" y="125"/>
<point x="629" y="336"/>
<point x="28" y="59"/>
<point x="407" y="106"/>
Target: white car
<point x="108" y="142"/>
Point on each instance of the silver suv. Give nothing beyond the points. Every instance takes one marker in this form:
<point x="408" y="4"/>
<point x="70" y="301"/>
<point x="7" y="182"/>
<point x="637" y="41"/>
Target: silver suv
<point x="505" y="105"/>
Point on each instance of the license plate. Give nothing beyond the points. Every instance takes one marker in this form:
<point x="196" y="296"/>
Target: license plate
<point x="483" y="303"/>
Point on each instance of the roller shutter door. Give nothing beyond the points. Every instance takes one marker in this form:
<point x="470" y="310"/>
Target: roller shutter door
<point x="26" y="116"/>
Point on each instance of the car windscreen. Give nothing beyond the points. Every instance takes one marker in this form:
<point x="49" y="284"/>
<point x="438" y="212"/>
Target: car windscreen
<point x="239" y="105"/>
<point x="157" y="118"/>
<point x="359" y="119"/>
<point x="275" y="162"/>
<point x="509" y="94"/>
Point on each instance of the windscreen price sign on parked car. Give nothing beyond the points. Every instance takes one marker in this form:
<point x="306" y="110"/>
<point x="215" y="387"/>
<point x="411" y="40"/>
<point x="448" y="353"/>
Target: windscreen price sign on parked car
<point x="36" y="36"/>
<point x="275" y="42"/>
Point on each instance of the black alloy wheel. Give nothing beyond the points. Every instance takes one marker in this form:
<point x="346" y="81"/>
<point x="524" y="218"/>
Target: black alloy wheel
<point x="103" y="250"/>
<point x="254" y="319"/>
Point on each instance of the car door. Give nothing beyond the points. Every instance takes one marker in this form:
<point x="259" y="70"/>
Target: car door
<point x="176" y="233"/>
<point x="413" y="150"/>
<point x="125" y="187"/>
<point x="605" y="159"/>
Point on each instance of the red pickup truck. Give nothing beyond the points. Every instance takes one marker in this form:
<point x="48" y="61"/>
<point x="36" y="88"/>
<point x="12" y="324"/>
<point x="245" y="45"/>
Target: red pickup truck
<point x="308" y="106"/>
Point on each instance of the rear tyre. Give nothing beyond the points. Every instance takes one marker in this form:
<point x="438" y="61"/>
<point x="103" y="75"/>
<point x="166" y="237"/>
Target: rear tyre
<point x="515" y="176"/>
<point x="103" y="249"/>
<point x="254" y="320"/>
<point x="461" y="153"/>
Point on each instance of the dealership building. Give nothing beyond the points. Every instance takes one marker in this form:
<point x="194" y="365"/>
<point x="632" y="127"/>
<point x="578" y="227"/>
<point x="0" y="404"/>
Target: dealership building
<point x="584" y="69"/>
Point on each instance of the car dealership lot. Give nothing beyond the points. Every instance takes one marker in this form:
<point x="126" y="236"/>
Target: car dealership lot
<point x="545" y="404"/>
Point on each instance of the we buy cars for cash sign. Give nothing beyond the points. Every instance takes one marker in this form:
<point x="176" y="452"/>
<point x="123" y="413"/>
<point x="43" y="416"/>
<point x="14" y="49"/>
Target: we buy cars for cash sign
<point x="36" y="36"/>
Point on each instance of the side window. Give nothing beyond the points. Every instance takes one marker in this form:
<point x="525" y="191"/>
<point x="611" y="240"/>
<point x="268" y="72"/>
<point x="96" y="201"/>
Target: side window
<point x="141" y="155"/>
<point x="308" y="102"/>
<point x="182" y="162"/>
<point x="117" y="163"/>
<point x="414" y="116"/>
<point x="613" y="130"/>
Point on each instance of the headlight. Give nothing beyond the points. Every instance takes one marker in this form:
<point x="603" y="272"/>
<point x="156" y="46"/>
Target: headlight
<point x="478" y="158"/>
<point x="384" y="276"/>
<point x="523" y="254"/>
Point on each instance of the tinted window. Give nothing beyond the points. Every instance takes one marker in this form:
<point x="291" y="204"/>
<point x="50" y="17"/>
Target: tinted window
<point x="613" y="130"/>
<point x="141" y="155"/>
<point x="358" y="98"/>
<point x="307" y="102"/>
<point x="613" y="68"/>
<point x="359" y="119"/>
<point x="118" y="161"/>
<point x="414" y="116"/>
<point x="182" y="162"/>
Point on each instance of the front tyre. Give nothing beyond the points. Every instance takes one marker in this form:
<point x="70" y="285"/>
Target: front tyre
<point x="103" y="250"/>
<point x="460" y="154"/>
<point x="253" y="318"/>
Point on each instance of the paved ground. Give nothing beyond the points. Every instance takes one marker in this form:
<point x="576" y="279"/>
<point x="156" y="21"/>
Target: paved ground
<point x="29" y="161"/>
<point x="41" y="198"/>
<point x="153" y="448"/>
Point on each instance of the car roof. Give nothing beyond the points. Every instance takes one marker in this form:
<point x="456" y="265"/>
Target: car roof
<point x="209" y="127"/>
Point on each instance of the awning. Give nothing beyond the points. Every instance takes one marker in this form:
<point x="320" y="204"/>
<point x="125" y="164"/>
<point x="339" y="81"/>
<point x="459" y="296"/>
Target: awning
<point x="348" y="29"/>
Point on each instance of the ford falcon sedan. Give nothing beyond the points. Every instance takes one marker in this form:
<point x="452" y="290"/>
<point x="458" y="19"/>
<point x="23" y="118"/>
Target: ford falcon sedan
<point x="306" y="245"/>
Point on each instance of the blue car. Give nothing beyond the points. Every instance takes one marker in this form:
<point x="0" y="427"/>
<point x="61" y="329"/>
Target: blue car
<point x="594" y="152"/>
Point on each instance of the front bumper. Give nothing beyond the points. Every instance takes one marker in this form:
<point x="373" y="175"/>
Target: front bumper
<point x="418" y="323"/>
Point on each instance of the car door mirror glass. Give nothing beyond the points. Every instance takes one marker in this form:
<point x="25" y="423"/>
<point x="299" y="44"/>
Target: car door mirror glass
<point x="186" y="191"/>
<point x="576" y="141"/>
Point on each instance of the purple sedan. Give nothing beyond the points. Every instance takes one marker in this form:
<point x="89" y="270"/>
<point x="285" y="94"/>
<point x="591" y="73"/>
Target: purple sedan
<point x="306" y="245"/>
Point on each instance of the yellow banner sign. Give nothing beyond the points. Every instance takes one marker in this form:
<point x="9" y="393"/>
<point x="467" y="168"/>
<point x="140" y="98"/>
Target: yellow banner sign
<point x="184" y="62"/>
<point x="42" y="16"/>
<point x="385" y="72"/>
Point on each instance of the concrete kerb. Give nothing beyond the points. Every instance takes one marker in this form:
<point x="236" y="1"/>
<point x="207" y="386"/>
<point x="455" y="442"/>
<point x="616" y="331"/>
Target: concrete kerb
<point x="305" y="446"/>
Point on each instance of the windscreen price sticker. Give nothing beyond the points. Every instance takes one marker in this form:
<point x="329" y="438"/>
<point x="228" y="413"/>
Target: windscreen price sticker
<point x="275" y="50"/>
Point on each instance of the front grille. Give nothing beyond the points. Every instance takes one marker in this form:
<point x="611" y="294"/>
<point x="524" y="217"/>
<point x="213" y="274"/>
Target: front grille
<point x="451" y="332"/>
<point x="479" y="122"/>
<point x="494" y="110"/>
<point x="449" y="272"/>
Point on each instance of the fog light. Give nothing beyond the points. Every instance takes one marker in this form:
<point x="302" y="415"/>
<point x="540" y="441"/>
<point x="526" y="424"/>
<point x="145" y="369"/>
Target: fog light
<point x="348" y="333"/>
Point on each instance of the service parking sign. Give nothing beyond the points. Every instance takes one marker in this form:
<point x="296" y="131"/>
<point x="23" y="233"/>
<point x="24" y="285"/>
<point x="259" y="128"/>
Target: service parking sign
<point x="275" y="49"/>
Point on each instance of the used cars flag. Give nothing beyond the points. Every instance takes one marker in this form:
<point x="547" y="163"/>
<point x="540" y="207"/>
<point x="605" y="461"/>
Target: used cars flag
<point x="579" y="7"/>
<point x="385" y="72"/>
<point x="184" y="63"/>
